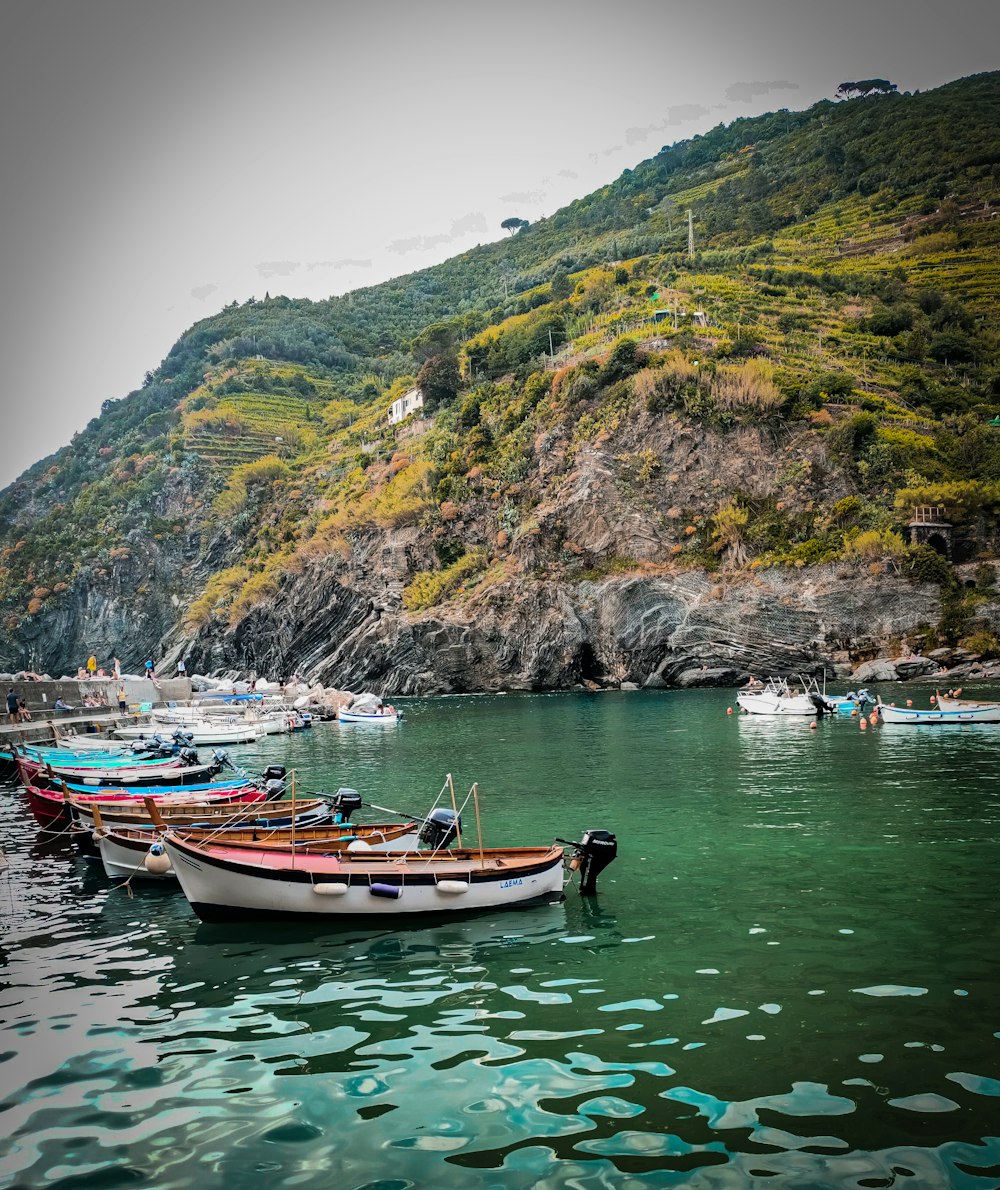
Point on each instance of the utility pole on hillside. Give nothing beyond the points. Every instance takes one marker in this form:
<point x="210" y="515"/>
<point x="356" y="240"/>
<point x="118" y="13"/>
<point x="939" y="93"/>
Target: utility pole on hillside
<point x="690" y="235"/>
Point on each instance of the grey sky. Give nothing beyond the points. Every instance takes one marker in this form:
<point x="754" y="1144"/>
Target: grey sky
<point x="161" y="159"/>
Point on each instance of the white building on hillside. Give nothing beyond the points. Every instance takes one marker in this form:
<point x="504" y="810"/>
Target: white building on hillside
<point x="403" y="406"/>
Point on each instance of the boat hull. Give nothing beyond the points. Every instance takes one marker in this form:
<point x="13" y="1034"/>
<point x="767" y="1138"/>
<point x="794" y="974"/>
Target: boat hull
<point x="355" y="717"/>
<point x="123" y="852"/>
<point x="222" y="888"/>
<point x="918" y="715"/>
<point x="766" y="703"/>
<point x="51" y="810"/>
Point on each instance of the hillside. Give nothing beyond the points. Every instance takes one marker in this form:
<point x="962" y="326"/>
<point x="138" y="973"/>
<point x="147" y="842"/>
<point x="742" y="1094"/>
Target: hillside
<point x="634" y="462"/>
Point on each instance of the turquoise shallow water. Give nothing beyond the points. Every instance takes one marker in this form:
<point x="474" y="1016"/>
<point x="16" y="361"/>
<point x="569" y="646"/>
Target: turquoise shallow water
<point x="788" y="977"/>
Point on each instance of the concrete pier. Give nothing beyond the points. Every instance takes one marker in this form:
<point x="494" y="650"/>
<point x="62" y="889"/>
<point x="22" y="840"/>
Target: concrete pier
<point x="141" y="694"/>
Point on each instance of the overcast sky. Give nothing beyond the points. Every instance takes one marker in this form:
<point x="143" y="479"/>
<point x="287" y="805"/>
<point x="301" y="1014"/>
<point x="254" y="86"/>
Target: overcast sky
<point x="161" y="158"/>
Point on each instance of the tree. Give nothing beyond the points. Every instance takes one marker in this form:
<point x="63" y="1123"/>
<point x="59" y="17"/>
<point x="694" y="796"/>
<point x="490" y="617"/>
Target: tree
<point x="439" y="380"/>
<point x="730" y="522"/>
<point x="514" y="224"/>
<point x="865" y="87"/>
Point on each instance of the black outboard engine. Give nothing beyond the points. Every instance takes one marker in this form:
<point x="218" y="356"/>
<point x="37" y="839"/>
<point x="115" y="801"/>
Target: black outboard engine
<point x="344" y="803"/>
<point x="591" y="856"/>
<point x="273" y="780"/>
<point x="221" y="757"/>
<point x="441" y="828"/>
<point x="188" y="754"/>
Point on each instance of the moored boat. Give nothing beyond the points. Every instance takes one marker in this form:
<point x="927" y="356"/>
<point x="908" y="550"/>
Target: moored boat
<point x="776" y="697"/>
<point x="225" y="883"/>
<point x="385" y="716"/>
<point x="51" y="810"/>
<point x="131" y="851"/>
<point x="949" y="702"/>
<point x="976" y="713"/>
<point x="196" y="731"/>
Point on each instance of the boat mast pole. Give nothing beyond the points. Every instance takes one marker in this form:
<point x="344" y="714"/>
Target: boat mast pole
<point x="479" y="825"/>
<point x="293" y="818"/>
<point x="454" y="807"/>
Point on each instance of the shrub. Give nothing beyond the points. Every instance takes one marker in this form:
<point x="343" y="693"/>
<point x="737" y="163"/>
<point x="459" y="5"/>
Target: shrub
<point x="431" y="586"/>
<point x="925" y="565"/>
<point x="875" y="545"/>
<point x="746" y="387"/>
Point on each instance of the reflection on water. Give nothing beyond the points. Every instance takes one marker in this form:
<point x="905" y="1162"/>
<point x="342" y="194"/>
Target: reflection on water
<point x="787" y="975"/>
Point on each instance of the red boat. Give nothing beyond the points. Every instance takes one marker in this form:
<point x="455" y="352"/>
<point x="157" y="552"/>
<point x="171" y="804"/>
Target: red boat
<point x="50" y="809"/>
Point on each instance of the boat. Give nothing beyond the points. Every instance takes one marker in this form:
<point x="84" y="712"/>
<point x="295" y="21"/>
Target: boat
<point x="133" y="851"/>
<point x="51" y="810"/>
<point x="776" y="697"/>
<point x="947" y="702"/>
<point x="387" y="715"/>
<point x="854" y="701"/>
<point x="184" y="812"/>
<point x="224" y="883"/>
<point x="170" y="772"/>
<point x="86" y="744"/>
<point x="976" y="713"/>
<point x="197" y="731"/>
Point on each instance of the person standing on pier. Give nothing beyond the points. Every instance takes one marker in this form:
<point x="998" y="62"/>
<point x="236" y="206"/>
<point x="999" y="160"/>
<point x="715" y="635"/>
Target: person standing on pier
<point x="13" y="711"/>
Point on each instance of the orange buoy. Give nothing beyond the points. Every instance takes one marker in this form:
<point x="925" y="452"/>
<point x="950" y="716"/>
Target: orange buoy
<point x="812" y="726"/>
<point x="873" y="717"/>
<point x="909" y="702"/>
<point x="854" y="712"/>
<point x="729" y="710"/>
<point x="863" y="725"/>
<point x="933" y="699"/>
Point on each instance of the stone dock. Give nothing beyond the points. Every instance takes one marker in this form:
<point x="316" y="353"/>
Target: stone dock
<point x="46" y="723"/>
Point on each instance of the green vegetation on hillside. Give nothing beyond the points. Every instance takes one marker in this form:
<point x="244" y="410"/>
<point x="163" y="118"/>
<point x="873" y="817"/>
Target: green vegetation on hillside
<point x="843" y="293"/>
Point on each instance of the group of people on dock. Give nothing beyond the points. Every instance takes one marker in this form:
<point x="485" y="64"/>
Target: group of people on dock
<point x="17" y="711"/>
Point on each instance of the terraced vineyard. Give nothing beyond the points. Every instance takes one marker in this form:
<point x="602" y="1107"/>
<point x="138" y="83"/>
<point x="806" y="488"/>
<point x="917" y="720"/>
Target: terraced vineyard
<point x="246" y="426"/>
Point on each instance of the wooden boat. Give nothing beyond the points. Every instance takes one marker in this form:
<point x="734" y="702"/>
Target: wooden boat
<point x="776" y="697"/>
<point x="950" y="703"/>
<point x="131" y="851"/>
<point x="87" y="744"/>
<point x="173" y="772"/>
<point x="223" y="883"/>
<point x="981" y="713"/>
<point x="212" y="799"/>
<point x="126" y="812"/>
<point x="378" y="717"/>
<point x="51" y="811"/>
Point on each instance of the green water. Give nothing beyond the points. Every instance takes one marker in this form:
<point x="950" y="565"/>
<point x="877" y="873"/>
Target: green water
<point x="787" y="978"/>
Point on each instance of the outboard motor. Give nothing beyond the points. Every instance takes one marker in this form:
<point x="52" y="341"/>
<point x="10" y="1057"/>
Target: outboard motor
<point x="221" y="757"/>
<point x="188" y="754"/>
<point x="344" y="803"/>
<point x="591" y="856"/>
<point x="272" y="781"/>
<point x="441" y="828"/>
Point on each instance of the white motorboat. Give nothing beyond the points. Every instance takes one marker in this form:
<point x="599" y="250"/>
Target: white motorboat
<point x="776" y="697"/>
